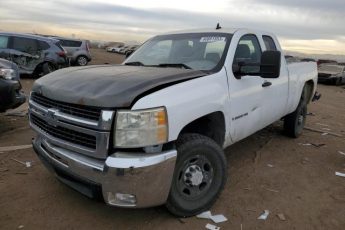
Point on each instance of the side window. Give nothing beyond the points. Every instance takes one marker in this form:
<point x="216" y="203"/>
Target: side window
<point x="269" y="43"/>
<point x="3" y="42"/>
<point x="70" y="43"/>
<point x="26" y="45"/>
<point x="248" y="51"/>
<point x="43" y="45"/>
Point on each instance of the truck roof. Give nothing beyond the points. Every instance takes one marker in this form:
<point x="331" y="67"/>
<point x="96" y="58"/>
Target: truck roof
<point x="214" y="30"/>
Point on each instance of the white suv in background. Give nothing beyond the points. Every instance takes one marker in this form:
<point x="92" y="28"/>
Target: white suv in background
<point x="78" y="51"/>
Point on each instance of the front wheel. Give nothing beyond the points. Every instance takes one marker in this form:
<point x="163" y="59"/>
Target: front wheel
<point x="199" y="177"/>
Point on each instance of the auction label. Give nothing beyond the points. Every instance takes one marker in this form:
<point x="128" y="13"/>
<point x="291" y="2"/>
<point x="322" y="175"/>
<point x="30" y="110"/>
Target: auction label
<point x="212" y="39"/>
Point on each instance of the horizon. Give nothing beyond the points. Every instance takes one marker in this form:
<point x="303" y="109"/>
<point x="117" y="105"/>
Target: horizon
<point x="311" y="28"/>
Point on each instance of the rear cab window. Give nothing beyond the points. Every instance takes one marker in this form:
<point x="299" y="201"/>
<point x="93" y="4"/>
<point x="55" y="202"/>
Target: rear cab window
<point x="269" y="43"/>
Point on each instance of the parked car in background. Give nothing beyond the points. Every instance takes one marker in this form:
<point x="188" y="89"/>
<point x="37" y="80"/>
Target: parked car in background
<point x="114" y="49"/>
<point x="10" y="94"/>
<point x="325" y="61"/>
<point x="123" y="49"/>
<point x="131" y="50"/>
<point x="78" y="51"/>
<point x="308" y="60"/>
<point x="331" y="74"/>
<point x="33" y="54"/>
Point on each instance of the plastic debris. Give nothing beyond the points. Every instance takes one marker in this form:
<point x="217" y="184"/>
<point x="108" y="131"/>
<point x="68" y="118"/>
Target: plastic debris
<point x="342" y="153"/>
<point x="327" y="129"/>
<point x="20" y="226"/>
<point x="340" y="174"/>
<point x="26" y="163"/>
<point x="218" y="218"/>
<point x="211" y="227"/>
<point x="13" y="148"/>
<point x="281" y="216"/>
<point x="271" y="190"/>
<point x="324" y="134"/>
<point x="215" y="218"/>
<point x="270" y="165"/>
<point x="204" y="215"/>
<point x="264" y="215"/>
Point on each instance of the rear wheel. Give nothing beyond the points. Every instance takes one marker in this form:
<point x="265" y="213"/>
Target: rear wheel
<point x="295" y="121"/>
<point x="199" y="176"/>
<point x="48" y="68"/>
<point x="81" y="61"/>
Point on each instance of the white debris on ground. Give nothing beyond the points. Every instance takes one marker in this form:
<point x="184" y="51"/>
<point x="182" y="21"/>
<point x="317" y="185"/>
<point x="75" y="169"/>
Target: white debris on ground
<point x="340" y="174"/>
<point x="264" y="215"/>
<point x="26" y="163"/>
<point x="215" y="218"/>
<point x="211" y="227"/>
<point x="270" y="165"/>
<point x="342" y="153"/>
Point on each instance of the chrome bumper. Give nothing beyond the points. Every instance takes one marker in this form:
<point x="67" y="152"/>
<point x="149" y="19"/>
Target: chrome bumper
<point x="124" y="179"/>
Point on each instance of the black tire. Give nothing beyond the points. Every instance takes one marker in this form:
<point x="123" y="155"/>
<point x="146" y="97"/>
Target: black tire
<point x="295" y="121"/>
<point x="81" y="60"/>
<point x="338" y="81"/>
<point x="190" y="192"/>
<point x="48" y="68"/>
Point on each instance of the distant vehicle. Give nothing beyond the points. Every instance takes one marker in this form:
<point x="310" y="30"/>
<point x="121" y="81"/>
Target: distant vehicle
<point x="331" y="74"/>
<point x="10" y="94"/>
<point x="291" y="59"/>
<point x="33" y="54"/>
<point x="123" y="49"/>
<point x="78" y="51"/>
<point x="325" y="61"/>
<point x="114" y="49"/>
<point x="131" y="50"/>
<point x="308" y="60"/>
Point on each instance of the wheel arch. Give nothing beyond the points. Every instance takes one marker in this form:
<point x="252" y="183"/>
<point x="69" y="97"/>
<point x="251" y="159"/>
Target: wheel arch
<point x="211" y="125"/>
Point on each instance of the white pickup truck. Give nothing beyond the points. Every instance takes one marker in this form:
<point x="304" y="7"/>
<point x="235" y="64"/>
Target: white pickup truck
<point x="152" y="130"/>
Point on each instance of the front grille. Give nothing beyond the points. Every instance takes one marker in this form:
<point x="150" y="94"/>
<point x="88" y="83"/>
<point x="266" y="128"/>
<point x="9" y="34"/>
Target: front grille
<point x="88" y="112"/>
<point x="64" y="133"/>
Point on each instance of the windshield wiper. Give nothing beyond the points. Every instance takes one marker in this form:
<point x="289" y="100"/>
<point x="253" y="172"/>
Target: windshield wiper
<point x="176" y="65"/>
<point x="135" y="63"/>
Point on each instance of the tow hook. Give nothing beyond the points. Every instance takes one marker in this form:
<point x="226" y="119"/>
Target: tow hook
<point x="316" y="97"/>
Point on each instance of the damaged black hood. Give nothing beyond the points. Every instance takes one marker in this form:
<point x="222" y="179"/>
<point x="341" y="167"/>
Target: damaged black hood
<point x="109" y="86"/>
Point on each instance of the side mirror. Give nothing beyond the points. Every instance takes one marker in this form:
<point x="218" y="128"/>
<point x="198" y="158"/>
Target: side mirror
<point x="270" y="64"/>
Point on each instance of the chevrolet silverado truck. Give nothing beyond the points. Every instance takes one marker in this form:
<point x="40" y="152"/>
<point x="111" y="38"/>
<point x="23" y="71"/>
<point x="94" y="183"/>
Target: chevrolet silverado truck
<point x="11" y="95"/>
<point x="152" y="130"/>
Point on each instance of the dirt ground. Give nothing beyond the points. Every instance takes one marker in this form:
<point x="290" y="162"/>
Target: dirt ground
<point x="267" y="171"/>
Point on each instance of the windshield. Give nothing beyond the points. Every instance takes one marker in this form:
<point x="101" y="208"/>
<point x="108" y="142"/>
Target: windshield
<point x="198" y="51"/>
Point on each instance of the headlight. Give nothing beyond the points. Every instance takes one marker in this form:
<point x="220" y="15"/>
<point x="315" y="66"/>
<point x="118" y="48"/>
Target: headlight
<point x="8" y="74"/>
<point x="141" y="128"/>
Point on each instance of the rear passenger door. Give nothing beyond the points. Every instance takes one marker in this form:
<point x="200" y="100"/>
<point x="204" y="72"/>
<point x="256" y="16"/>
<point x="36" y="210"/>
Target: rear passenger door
<point x="275" y="94"/>
<point x="25" y="53"/>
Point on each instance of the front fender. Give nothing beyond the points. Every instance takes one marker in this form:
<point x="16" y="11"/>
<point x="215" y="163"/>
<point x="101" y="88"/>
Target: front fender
<point x="190" y="100"/>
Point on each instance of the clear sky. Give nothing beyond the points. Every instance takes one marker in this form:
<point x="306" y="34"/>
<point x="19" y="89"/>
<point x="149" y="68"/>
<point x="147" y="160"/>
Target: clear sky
<point x="308" y="26"/>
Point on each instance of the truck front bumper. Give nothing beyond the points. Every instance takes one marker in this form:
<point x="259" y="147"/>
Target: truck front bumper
<point x="123" y="179"/>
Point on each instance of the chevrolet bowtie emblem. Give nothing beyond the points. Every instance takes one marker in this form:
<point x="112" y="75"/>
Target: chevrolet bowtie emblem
<point x="51" y="118"/>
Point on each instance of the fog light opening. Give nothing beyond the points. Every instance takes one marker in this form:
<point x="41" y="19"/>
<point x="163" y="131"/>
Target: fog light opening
<point x="122" y="199"/>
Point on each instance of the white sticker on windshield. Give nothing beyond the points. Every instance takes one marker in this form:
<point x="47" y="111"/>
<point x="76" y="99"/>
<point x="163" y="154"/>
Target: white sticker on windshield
<point x="212" y="39"/>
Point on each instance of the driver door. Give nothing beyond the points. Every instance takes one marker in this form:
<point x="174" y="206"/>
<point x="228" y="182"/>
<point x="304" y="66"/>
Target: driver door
<point x="246" y="91"/>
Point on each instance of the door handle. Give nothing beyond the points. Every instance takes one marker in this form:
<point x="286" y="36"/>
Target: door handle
<point x="266" y="84"/>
